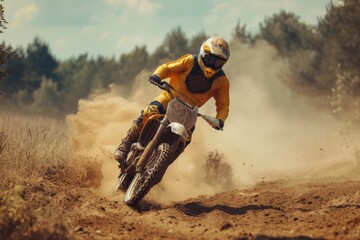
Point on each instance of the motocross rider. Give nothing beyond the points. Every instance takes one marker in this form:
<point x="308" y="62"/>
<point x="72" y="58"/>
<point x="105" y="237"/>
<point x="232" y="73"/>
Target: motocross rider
<point x="197" y="77"/>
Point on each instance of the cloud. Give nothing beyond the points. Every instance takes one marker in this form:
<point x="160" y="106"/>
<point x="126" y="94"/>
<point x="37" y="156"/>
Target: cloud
<point x="140" y="6"/>
<point x="61" y="42"/>
<point x="87" y="29"/>
<point x="104" y="35"/>
<point x="222" y="14"/>
<point x="23" y="15"/>
<point x="145" y="6"/>
<point x="276" y="5"/>
<point x="306" y="10"/>
<point x="218" y="11"/>
<point x="251" y="13"/>
<point x="128" y="42"/>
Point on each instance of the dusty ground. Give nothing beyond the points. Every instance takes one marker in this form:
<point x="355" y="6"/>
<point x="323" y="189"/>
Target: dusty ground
<point x="270" y="210"/>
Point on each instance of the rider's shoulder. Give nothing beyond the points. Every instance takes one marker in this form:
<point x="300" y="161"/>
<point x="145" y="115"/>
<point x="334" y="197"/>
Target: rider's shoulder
<point x="187" y="60"/>
<point x="186" y="57"/>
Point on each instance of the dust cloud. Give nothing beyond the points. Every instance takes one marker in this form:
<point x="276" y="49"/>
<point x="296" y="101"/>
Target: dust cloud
<point x="103" y="120"/>
<point x="271" y="132"/>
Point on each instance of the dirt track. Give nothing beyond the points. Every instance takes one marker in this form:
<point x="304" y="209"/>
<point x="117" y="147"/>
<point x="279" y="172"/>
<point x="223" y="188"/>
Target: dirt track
<point x="270" y="210"/>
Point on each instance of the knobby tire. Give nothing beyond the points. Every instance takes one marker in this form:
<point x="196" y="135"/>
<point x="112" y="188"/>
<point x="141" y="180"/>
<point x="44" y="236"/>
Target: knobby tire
<point x="142" y="183"/>
<point x="124" y="181"/>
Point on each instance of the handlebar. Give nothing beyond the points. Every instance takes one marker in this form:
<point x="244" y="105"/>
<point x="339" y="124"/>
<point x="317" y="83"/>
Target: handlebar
<point x="214" y="122"/>
<point x="164" y="85"/>
<point x="167" y="87"/>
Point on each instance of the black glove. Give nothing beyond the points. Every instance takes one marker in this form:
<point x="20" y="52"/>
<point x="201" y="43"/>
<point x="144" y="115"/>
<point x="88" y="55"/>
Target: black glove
<point x="221" y="125"/>
<point x="155" y="79"/>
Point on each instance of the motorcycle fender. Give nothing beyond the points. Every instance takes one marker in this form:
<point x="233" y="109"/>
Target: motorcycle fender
<point x="179" y="129"/>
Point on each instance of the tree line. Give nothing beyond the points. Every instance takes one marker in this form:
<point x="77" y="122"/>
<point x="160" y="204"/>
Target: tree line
<point x="324" y="57"/>
<point x="41" y="83"/>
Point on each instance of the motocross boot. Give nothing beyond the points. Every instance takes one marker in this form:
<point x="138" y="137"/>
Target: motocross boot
<point x="124" y="147"/>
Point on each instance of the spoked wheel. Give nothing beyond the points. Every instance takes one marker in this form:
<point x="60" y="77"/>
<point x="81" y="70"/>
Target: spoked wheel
<point x="123" y="181"/>
<point x="143" y="182"/>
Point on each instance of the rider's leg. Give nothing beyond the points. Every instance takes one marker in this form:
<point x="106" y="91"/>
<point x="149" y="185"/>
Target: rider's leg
<point x="124" y="147"/>
<point x="133" y="134"/>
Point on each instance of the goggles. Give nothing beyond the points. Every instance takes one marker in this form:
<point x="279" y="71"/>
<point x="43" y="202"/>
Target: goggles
<point x="213" y="61"/>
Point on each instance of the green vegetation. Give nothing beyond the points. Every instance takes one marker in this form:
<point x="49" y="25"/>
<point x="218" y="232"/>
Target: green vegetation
<point x="324" y="58"/>
<point x="5" y="51"/>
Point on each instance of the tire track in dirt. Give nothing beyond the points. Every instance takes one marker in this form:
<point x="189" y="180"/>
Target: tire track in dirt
<point x="269" y="210"/>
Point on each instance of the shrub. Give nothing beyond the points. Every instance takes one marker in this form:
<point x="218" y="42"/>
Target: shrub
<point x="218" y="172"/>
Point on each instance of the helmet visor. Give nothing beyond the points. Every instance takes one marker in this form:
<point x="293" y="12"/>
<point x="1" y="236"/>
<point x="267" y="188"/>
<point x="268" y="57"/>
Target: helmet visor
<point x="213" y="61"/>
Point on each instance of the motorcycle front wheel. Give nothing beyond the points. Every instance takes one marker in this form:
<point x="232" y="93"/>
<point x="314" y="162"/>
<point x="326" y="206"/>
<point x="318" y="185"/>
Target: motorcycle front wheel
<point x="143" y="182"/>
<point x="123" y="181"/>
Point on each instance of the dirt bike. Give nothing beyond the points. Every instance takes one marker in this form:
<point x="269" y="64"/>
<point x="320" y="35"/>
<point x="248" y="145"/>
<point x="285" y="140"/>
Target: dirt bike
<point x="163" y="138"/>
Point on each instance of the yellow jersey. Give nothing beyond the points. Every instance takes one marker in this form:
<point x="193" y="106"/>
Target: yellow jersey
<point x="181" y="73"/>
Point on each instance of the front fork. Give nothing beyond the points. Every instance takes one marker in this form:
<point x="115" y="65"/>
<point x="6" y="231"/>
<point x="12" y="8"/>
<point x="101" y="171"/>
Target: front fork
<point x="176" y="128"/>
<point x="150" y="147"/>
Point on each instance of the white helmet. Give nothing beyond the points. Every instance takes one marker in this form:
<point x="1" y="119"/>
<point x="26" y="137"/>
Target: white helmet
<point x="214" y="53"/>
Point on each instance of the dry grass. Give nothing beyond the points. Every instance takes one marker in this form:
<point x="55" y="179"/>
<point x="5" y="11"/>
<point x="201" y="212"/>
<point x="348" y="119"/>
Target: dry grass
<point x="28" y="145"/>
<point x="3" y="138"/>
<point x="35" y="162"/>
<point x="18" y="220"/>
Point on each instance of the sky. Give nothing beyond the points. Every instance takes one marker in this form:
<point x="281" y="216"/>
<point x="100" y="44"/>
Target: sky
<point x="113" y="27"/>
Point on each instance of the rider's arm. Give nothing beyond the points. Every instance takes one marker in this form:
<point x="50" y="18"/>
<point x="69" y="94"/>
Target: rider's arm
<point x="177" y="66"/>
<point x="222" y="100"/>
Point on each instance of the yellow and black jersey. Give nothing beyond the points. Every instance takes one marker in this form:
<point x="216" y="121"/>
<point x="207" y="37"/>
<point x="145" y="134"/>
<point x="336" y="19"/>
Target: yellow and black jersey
<point x="186" y="77"/>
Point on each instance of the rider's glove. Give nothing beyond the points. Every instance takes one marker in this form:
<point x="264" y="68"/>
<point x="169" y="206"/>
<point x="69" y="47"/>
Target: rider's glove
<point x="221" y="125"/>
<point x="155" y="78"/>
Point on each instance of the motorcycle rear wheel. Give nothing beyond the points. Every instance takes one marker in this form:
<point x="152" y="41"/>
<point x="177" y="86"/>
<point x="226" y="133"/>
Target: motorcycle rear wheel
<point x="143" y="182"/>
